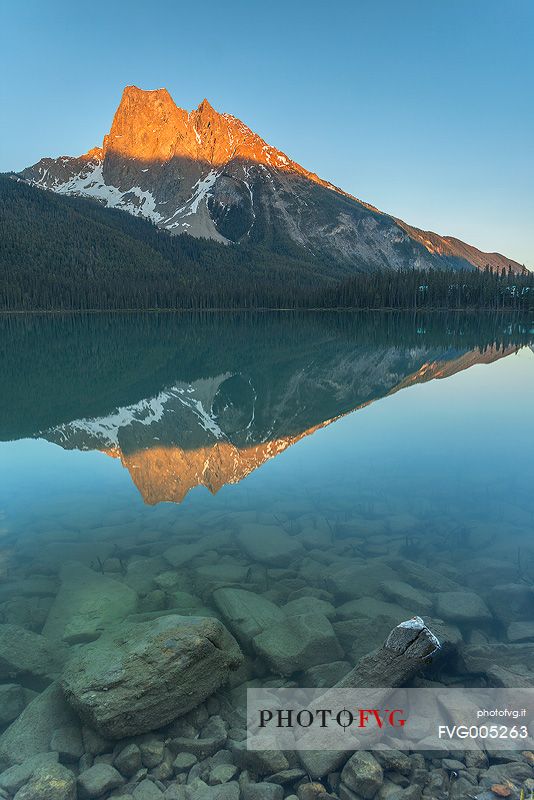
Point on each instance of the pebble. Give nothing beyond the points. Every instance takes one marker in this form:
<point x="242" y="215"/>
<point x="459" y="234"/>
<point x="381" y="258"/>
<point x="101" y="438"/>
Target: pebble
<point x="286" y="776"/>
<point x="310" y="791"/>
<point x="49" y="782"/>
<point x="363" y="774"/>
<point x="184" y="761"/>
<point x="97" y="780"/>
<point x="147" y="790"/>
<point x="152" y="751"/>
<point x="128" y="760"/>
<point x="13" y="778"/>
<point x="262" y="791"/>
<point x="222" y="773"/>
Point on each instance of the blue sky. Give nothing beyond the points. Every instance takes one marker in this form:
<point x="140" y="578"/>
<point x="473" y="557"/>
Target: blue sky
<point x="425" y="109"/>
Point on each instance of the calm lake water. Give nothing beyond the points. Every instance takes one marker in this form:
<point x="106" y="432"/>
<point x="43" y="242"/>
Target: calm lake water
<point x="311" y="481"/>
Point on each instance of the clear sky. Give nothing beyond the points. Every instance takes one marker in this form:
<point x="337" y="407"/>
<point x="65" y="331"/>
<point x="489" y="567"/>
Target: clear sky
<point x="424" y="108"/>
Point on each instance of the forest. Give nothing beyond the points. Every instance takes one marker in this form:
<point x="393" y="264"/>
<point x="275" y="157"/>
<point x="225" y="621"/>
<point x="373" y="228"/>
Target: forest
<point x="63" y="253"/>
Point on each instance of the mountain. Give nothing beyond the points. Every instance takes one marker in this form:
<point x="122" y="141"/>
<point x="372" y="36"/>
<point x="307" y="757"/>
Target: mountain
<point x="207" y="174"/>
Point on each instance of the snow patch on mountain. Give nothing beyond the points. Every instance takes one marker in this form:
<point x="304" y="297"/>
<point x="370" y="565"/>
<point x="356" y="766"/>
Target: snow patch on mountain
<point x="193" y="217"/>
<point x="106" y="430"/>
<point x="90" y="183"/>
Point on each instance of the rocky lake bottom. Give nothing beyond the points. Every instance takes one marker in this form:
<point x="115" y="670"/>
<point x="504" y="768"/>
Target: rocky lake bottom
<point x="130" y="629"/>
<point x="191" y="620"/>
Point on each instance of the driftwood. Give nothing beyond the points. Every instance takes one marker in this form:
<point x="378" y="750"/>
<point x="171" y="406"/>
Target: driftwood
<point x="405" y="652"/>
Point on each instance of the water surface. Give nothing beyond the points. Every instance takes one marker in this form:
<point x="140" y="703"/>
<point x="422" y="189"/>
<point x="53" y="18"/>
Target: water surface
<point x="367" y="446"/>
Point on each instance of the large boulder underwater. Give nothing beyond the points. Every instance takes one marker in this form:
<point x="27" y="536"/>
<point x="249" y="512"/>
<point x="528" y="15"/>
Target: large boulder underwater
<point x="140" y="676"/>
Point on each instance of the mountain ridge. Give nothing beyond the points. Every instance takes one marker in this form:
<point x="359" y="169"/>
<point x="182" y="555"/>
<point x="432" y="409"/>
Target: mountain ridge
<point x="208" y="174"/>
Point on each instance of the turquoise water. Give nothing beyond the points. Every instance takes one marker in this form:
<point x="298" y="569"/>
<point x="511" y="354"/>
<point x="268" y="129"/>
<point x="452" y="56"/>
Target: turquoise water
<point x="460" y="443"/>
<point x="320" y="460"/>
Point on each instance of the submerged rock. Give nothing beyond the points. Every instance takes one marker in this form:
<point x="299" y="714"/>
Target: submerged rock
<point x="97" y="780"/>
<point x="425" y="578"/>
<point x="326" y="675"/>
<point x="67" y="742"/>
<point x="285" y="776"/>
<point x="360" y="636"/>
<point x="449" y="635"/>
<point x="357" y="578"/>
<point x="298" y="643"/>
<point x="394" y="760"/>
<point x="210" y="577"/>
<point x="28" y="612"/>
<point x="511" y="602"/>
<point x="309" y="605"/>
<point x="12" y="702"/>
<point x="152" y="750"/>
<point x="514" y="772"/>
<point x="246" y="613"/>
<point x="478" y="658"/>
<point x="222" y="773"/>
<point x="201" y="791"/>
<point x="183" y="762"/>
<point x="373" y="608"/>
<point x="311" y="791"/>
<point x="49" y="782"/>
<point x="24" y="652"/>
<point x="139" y="677"/>
<point x="268" y="544"/>
<point x="147" y="790"/>
<point x="521" y="631"/>
<point x="128" y="760"/>
<point x="32" y="732"/>
<point x="142" y="571"/>
<point x="35" y="586"/>
<point x="462" y="607"/>
<point x="93" y="743"/>
<point x="262" y="791"/>
<point x="86" y="604"/>
<point x="16" y="776"/>
<point x="363" y="774"/>
<point x="260" y="762"/>
<point x="212" y="740"/>
<point x="407" y="597"/>
<point x="182" y="553"/>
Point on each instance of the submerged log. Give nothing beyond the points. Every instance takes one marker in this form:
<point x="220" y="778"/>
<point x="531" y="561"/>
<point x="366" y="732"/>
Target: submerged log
<point x="406" y="651"/>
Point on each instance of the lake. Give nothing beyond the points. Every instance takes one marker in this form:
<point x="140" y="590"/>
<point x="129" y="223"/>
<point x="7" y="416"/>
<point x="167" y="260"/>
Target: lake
<point x="303" y="482"/>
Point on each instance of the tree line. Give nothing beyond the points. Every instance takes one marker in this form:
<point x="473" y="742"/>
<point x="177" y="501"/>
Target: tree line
<point x="61" y="253"/>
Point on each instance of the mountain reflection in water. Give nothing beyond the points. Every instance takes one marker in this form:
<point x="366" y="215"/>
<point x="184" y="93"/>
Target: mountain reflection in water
<point x="186" y="401"/>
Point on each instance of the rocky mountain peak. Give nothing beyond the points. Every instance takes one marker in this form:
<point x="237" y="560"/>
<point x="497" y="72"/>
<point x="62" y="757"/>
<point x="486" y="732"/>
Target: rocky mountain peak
<point x="148" y="126"/>
<point x="139" y="106"/>
<point x="206" y="108"/>
<point x="145" y="125"/>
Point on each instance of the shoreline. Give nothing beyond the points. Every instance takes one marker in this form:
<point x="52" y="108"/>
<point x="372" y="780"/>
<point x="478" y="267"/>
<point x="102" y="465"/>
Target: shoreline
<point x="263" y="310"/>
